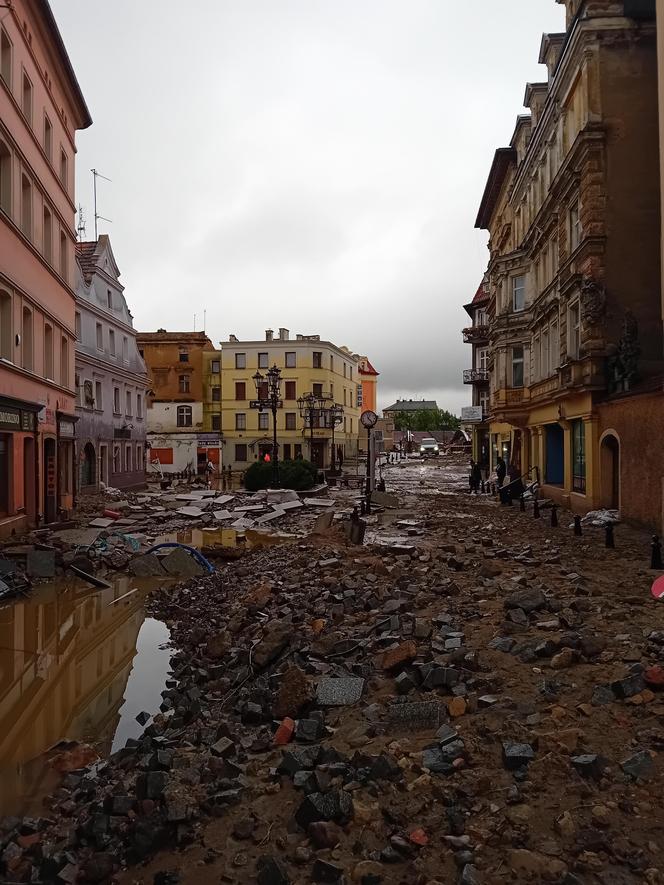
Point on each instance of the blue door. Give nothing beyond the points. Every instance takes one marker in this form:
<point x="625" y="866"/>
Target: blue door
<point x="555" y="454"/>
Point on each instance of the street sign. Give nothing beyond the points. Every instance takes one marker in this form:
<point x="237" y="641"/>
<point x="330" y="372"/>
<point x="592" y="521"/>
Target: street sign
<point x="471" y="414"/>
<point x="261" y="404"/>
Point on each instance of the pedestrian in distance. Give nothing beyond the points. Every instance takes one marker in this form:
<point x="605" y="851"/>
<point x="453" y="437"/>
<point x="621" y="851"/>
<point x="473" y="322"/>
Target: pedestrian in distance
<point x="501" y="471"/>
<point x="475" y="477"/>
<point x="209" y="470"/>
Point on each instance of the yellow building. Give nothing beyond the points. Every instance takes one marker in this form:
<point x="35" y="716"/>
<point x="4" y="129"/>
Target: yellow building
<point x="308" y="366"/>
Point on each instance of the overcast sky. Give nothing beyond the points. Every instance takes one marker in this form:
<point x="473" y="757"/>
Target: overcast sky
<point x="313" y="164"/>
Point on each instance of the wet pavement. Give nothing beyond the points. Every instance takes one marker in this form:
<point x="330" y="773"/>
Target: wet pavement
<point x="75" y="665"/>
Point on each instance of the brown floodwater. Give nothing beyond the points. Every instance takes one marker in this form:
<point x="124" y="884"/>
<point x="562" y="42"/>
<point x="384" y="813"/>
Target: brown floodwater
<point x="76" y="664"/>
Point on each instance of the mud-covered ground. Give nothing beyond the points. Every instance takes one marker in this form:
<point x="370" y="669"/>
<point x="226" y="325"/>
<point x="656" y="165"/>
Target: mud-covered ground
<point x="472" y="696"/>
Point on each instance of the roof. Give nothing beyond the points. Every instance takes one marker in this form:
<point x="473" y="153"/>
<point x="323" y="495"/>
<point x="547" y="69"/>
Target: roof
<point x="47" y="12"/>
<point x="413" y="405"/>
<point x="369" y="369"/>
<point x="502" y="160"/>
<point x="89" y="254"/>
<point x="161" y="336"/>
<point x="480" y="297"/>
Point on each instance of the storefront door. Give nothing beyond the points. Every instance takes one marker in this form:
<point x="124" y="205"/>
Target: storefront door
<point x="4" y="473"/>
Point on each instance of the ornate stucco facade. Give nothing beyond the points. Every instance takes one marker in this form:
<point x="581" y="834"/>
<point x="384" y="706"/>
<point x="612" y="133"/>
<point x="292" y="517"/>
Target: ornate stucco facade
<point x="572" y="209"/>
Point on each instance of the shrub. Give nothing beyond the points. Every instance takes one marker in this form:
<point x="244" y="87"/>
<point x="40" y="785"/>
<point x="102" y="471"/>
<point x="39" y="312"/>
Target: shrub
<point x="297" y="475"/>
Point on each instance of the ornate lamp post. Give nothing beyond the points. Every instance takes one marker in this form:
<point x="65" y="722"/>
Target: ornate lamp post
<point x="335" y="417"/>
<point x="308" y="408"/>
<point x="274" y="403"/>
<point x="369" y="420"/>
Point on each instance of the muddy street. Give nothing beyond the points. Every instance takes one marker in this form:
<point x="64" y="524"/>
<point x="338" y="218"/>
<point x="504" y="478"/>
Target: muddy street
<point x="471" y="696"/>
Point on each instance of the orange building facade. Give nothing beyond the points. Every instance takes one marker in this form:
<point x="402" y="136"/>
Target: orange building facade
<point x="368" y="384"/>
<point x="41" y="108"/>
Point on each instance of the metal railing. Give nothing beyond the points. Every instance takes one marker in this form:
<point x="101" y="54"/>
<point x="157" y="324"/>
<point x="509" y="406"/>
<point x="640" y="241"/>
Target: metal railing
<point x="475" y="376"/>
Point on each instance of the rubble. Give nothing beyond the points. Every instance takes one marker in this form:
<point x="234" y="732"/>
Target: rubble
<point x="420" y="708"/>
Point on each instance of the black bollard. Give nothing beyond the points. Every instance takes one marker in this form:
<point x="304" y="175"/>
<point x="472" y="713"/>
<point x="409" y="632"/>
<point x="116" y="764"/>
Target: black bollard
<point x="577" y="526"/>
<point x="609" y="540"/>
<point x="482" y="486"/>
<point x="656" y="553"/>
<point x="522" y="504"/>
<point x="554" y="516"/>
<point x="536" y="513"/>
<point x="508" y="496"/>
<point x="363" y="508"/>
<point x="355" y="516"/>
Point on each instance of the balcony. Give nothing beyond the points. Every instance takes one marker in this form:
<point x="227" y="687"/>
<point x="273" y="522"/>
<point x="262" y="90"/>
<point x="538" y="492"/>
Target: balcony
<point x="475" y="376"/>
<point x="475" y="334"/>
<point x="509" y="396"/>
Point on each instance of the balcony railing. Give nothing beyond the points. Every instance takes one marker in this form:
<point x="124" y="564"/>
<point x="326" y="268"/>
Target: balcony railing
<point x="475" y="333"/>
<point x="509" y="396"/>
<point x="475" y="376"/>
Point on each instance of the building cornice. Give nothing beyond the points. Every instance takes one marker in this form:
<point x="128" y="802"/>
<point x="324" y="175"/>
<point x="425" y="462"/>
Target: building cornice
<point x="83" y="358"/>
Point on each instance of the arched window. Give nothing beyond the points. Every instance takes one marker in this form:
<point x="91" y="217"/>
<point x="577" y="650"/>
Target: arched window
<point x="27" y="340"/>
<point x="5" y="179"/>
<point x="5" y="325"/>
<point x="64" y="264"/>
<point x="64" y="361"/>
<point x="26" y="206"/>
<point x="184" y="416"/>
<point x="48" y="352"/>
<point x="48" y="235"/>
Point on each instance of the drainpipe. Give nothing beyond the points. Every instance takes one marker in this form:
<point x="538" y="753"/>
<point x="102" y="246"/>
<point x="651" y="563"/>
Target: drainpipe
<point x="37" y="489"/>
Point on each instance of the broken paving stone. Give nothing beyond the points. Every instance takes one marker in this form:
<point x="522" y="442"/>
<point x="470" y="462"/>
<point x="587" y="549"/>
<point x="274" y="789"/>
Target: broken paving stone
<point x="516" y="755"/>
<point x="190" y="512"/>
<point x="41" y="563"/>
<point x="339" y="691"/>
<point x="529" y="600"/>
<point x="275" y="639"/>
<point x="224" y="747"/>
<point x="589" y="765"/>
<point x="627" y="688"/>
<point x="441" y="677"/>
<point x="270" y="871"/>
<point x="404" y="683"/>
<point x="639" y="766"/>
<point x="456" y="707"/>
<point x="309" y="730"/>
<point x="143" y="718"/>
<point x="416" y="715"/>
<point x="563" y="659"/>
<point x="298" y="759"/>
<point x="602" y="694"/>
<point x="502" y="643"/>
<point x="324" y="834"/>
<point x="337" y="805"/>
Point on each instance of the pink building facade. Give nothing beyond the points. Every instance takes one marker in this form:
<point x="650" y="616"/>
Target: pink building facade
<point x="41" y="108"/>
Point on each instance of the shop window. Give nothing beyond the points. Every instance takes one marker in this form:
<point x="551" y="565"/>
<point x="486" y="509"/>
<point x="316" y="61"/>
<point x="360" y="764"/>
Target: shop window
<point x="578" y="456"/>
<point x="161" y="456"/>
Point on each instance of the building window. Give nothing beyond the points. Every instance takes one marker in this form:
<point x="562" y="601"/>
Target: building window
<point x="5" y="179"/>
<point x="48" y="235"/>
<point x="240" y="452"/>
<point x="574" y="227"/>
<point x="116" y="400"/>
<point x="64" y="264"/>
<point x="578" y="456"/>
<point x="64" y="361"/>
<point x="63" y="168"/>
<point x="240" y="421"/>
<point x="77" y="326"/>
<point x="331" y="364"/>
<point x="26" y="98"/>
<point x="317" y="390"/>
<point x="574" y="331"/>
<point x="48" y="139"/>
<point x="128" y="458"/>
<point x="139" y="457"/>
<point x="344" y="370"/>
<point x="517" y="366"/>
<point x="128" y="403"/>
<point x="26" y="206"/>
<point x="482" y="358"/>
<point x="291" y="421"/>
<point x="216" y="394"/>
<point x="184" y="416"/>
<point x="350" y="372"/>
<point x="116" y="459"/>
<point x="263" y="360"/>
<point x="183" y="382"/>
<point x="111" y="342"/>
<point x="318" y="359"/>
<point x="216" y="422"/>
<point x="27" y="340"/>
<point x="5" y="326"/>
<point x="291" y="359"/>
<point x="125" y="349"/>
<point x="100" y="337"/>
<point x="183" y="356"/>
<point x="99" y="399"/>
<point x="216" y="367"/>
<point x="5" y="57"/>
<point x="290" y="390"/>
<point x="240" y="360"/>
<point x="518" y="292"/>
<point x="287" y="451"/>
<point x="263" y="392"/>
<point x="297" y="448"/>
<point x="263" y="421"/>
<point x="109" y="299"/>
<point x="48" y="351"/>
<point x="240" y="391"/>
<point x="139" y="405"/>
<point x="77" y="385"/>
<point x="554" y="346"/>
<point x="344" y="395"/>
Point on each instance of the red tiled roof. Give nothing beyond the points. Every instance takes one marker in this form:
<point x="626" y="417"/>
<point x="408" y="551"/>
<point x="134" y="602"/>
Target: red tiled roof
<point x="480" y="295"/>
<point x="369" y="370"/>
<point x="85" y="253"/>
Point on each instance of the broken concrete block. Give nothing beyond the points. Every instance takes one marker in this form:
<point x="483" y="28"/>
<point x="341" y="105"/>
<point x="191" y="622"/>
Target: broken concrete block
<point x="339" y="691"/>
<point x="182" y="564"/>
<point x="146" y="566"/>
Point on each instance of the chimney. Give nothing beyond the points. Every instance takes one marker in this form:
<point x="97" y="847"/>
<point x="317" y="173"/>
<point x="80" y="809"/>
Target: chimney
<point x="269" y="334"/>
<point x="283" y="334"/>
<point x="232" y="337"/>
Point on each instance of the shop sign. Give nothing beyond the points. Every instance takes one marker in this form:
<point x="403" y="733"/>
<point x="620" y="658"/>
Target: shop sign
<point x="207" y="439"/>
<point x="10" y="419"/>
<point x="471" y="414"/>
<point x="27" y="421"/>
<point x="66" y="429"/>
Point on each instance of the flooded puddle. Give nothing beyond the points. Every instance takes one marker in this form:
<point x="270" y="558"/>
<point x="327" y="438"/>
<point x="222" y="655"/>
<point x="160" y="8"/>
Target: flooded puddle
<point x="75" y="665"/>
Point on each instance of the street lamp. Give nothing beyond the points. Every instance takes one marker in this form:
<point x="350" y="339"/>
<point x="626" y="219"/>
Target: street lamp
<point x="308" y="407"/>
<point x="368" y="420"/>
<point x="335" y="417"/>
<point x="273" y="381"/>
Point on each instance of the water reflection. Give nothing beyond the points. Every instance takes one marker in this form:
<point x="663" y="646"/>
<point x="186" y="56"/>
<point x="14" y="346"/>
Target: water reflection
<point x="66" y="655"/>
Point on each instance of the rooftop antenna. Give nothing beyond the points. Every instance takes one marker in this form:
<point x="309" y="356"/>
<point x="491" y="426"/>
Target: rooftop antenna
<point x="204" y="315"/>
<point x="98" y="217"/>
<point x="81" y="224"/>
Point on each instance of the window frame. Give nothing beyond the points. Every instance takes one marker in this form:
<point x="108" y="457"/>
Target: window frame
<point x="184" y="385"/>
<point x="48" y="141"/>
<point x="317" y="359"/>
<point x="291" y="420"/>
<point x="240" y="388"/>
<point x="240" y="360"/>
<point x="241" y="452"/>
<point x="184" y="416"/>
<point x="263" y="421"/>
<point x="240" y="421"/>
<point x="515" y="362"/>
<point x="521" y="289"/>
<point x="263" y="360"/>
<point x="574" y="330"/>
<point x="26" y="77"/>
<point x="288" y="362"/>
<point x="286" y="389"/>
<point x="10" y="44"/>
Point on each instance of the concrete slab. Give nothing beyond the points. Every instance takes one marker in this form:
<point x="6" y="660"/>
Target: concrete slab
<point x="220" y="515"/>
<point x="249" y="508"/>
<point x="222" y="500"/>
<point x="318" y="502"/>
<point x="339" y="691"/>
<point x="100" y="523"/>
<point x="181" y="564"/>
<point x="79" y="537"/>
<point x="240" y="524"/>
<point x="291" y="505"/>
<point x="270" y="517"/>
<point x="191" y="512"/>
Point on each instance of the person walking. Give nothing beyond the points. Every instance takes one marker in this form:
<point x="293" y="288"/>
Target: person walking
<point x="209" y="470"/>
<point x="501" y="471"/>
<point x="475" y="477"/>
